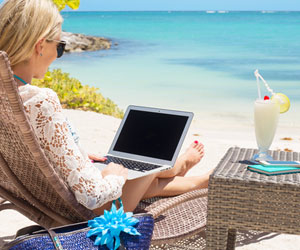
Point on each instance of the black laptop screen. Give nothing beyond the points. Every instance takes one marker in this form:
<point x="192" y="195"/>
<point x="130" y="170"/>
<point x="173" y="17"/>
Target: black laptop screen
<point x="151" y="134"/>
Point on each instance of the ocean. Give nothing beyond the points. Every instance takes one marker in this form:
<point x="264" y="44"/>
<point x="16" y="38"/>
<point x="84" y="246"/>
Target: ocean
<point x="195" y="61"/>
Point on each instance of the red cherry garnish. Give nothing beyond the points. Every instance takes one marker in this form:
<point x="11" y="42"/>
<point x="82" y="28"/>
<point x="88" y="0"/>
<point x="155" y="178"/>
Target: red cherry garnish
<point x="266" y="97"/>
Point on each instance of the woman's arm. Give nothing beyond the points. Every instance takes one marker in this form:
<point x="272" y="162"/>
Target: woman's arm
<point x="91" y="188"/>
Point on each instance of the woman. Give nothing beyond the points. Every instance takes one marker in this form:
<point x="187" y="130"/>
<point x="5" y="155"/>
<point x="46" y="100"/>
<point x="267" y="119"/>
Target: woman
<point x="30" y="33"/>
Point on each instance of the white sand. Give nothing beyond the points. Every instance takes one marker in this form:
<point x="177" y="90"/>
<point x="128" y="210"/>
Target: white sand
<point x="96" y="132"/>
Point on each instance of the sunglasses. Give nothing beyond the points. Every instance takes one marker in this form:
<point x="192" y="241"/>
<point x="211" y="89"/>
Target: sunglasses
<point x="60" y="47"/>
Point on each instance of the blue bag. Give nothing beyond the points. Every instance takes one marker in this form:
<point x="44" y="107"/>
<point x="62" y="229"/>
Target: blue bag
<point x="84" y="235"/>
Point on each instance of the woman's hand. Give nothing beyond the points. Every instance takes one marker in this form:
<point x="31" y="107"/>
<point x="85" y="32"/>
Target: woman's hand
<point x="115" y="169"/>
<point x="95" y="157"/>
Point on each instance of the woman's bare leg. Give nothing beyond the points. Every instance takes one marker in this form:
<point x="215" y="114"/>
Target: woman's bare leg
<point x="150" y="186"/>
<point x="132" y="193"/>
<point x="186" y="161"/>
<point x="176" y="185"/>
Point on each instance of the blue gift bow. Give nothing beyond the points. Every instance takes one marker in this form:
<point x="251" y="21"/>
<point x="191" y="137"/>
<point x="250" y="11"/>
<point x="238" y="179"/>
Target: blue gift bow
<point x="108" y="227"/>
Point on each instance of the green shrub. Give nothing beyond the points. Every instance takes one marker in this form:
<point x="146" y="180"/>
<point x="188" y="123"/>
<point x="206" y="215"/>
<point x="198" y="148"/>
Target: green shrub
<point x="74" y="95"/>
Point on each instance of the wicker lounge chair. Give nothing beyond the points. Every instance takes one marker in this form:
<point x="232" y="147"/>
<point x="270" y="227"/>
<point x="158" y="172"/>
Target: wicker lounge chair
<point x="30" y="185"/>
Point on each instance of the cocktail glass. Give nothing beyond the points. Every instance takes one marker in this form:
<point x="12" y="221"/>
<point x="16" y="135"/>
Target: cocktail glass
<point x="266" y="113"/>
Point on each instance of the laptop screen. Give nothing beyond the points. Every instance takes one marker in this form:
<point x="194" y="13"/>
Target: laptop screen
<point x="151" y="134"/>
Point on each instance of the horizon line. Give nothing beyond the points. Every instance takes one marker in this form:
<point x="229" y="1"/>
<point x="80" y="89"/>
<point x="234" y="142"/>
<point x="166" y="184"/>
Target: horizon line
<point x="70" y="10"/>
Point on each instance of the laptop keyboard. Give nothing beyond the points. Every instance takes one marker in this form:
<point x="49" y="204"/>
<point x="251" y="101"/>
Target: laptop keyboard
<point x="133" y="165"/>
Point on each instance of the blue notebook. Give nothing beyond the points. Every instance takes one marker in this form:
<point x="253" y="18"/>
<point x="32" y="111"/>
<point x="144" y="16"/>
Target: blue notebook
<point x="273" y="170"/>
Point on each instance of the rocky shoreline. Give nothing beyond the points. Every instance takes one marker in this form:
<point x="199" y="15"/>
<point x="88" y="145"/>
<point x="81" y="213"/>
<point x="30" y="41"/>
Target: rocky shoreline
<point x="80" y="42"/>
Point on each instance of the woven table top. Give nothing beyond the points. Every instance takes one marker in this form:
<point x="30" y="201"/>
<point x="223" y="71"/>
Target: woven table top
<point x="233" y="167"/>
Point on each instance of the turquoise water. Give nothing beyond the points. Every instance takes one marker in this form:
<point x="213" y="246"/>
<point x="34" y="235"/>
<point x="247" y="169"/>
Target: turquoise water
<point x="198" y="61"/>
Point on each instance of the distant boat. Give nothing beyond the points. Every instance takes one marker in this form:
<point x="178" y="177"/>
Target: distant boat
<point x="223" y="11"/>
<point x="267" y="11"/>
<point x="210" y="11"/>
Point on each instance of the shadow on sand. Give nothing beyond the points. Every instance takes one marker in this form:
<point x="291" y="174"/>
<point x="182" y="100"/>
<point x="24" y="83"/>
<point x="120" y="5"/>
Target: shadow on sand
<point x="248" y="237"/>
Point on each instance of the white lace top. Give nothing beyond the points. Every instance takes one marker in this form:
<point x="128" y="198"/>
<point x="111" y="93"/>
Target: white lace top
<point x="72" y="163"/>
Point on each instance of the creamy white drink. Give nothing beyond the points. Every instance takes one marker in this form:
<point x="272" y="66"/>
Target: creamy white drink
<point x="266" y="113"/>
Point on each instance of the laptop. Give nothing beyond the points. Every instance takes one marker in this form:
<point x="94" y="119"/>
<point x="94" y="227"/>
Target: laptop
<point x="148" y="140"/>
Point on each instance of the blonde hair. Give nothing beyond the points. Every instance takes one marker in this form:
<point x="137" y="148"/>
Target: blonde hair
<point x="25" y="22"/>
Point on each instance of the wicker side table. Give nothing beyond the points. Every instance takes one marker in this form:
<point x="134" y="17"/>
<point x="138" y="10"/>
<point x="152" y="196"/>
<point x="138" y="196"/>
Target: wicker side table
<point x="239" y="199"/>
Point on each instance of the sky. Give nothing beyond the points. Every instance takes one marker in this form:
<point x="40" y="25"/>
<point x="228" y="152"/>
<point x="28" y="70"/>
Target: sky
<point x="123" y="5"/>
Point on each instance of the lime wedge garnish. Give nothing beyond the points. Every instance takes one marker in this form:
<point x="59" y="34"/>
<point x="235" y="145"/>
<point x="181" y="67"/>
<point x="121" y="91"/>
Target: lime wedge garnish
<point x="283" y="101"/>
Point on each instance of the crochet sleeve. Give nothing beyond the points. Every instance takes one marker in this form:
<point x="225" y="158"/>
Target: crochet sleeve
<point x="49" y="123"/>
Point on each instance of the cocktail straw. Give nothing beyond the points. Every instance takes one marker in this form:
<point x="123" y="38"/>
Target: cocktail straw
<point x="258" y="76"/>
<point x="257" y="82"/>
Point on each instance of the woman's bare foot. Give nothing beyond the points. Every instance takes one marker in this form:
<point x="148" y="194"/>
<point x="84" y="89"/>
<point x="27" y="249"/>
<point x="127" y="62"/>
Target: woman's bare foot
<point x="190" y="158"/>
<point x="186" y="161"/>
